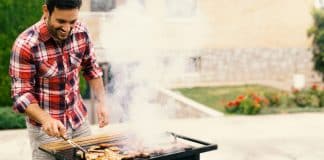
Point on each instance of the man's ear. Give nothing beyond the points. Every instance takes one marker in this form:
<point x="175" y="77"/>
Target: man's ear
<point x="45" y="11"/>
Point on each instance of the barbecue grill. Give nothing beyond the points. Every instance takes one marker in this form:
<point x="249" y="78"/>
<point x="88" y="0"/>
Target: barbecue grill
<point x="190" y="150"/>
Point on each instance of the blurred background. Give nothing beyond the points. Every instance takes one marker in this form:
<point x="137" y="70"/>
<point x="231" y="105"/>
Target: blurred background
<point x="198" y="59"/>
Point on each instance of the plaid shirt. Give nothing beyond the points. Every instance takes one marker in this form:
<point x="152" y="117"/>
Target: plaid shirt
<point x="46" y="73"/>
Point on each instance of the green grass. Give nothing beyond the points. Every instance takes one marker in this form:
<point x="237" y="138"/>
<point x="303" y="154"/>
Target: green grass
<point x="217" y="97"/>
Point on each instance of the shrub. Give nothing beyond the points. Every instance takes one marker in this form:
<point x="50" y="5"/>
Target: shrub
<point x="11" y="120"/>
<point x="275" y="98"/>
<point x="321" y="99"/>
<point x="317" y="34"/>
<point x="250" y="104"/>
<point x="314" y="101"/>
<point x="84" y="89"/>
<point x="302" y="99"/>
<point x="309" y="97"/>
<point x="232" y="106"/>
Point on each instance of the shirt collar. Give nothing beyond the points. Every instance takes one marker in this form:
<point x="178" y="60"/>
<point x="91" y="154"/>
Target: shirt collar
<point x="41" y="27"/>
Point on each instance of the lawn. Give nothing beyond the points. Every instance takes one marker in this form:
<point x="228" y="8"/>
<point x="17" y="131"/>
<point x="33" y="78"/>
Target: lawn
<point x="217" y="97"/>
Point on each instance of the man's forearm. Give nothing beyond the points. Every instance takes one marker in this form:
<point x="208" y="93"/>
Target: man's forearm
<point x="98" y="89"/>
<point x="99" y="93"/>
<point x="37" y="114"/>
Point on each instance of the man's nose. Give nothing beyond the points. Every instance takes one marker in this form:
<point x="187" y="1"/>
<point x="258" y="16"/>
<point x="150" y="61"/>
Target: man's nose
<point x="66" y="28"/>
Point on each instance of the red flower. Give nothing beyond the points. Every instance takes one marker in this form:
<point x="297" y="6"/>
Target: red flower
<point x="257" y="99"/>
<point x="237" y="102"/>
<point x="314" y="87"/>
<point x="230" y="104"/>
<point x="241" y="97"/>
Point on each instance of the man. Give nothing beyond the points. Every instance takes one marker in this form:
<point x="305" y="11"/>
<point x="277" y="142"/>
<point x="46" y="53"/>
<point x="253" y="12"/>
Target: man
<point x="45" y="62"/>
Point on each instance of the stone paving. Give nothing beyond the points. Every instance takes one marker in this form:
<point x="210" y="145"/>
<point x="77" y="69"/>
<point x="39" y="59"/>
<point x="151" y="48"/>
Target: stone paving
<point x="271" y="137"/>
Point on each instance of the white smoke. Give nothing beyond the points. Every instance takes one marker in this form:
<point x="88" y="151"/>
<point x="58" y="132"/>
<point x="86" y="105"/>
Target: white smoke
<point x="131" y="39"/>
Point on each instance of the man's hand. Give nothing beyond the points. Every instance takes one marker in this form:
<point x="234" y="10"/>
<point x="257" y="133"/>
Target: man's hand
<point x="103" y="116"/>
<point x="53" y="127"/>
<point x="50" y="126"/>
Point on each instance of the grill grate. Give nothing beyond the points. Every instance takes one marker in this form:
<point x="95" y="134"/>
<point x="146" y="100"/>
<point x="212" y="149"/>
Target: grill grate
<point x="188" y="153"/>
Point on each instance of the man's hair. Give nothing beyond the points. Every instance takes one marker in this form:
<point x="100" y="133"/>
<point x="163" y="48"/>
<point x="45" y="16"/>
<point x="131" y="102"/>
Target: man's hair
<point x="62" y="4"/>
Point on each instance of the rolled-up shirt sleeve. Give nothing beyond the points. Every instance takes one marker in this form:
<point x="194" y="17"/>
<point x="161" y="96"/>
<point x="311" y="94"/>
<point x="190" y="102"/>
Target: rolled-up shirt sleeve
<point x="22" y="72"/>
<point x="90" y="66"/>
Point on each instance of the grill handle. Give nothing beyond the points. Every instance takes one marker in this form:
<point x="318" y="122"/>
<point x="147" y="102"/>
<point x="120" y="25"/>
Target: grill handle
<point x="207" y="146"/>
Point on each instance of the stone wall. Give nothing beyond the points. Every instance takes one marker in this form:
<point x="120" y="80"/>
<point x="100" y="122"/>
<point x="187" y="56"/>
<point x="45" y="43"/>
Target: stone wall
<point x="261" y="65"/>
<point x="256" y="64"/>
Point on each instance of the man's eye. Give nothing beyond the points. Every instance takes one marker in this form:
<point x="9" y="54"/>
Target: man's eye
<point x="60" y="21"/>
<point x="72" y="22"/>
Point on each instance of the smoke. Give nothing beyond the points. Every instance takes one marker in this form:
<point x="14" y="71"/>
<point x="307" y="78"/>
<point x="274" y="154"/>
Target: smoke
<point x="135" y="95"/>
<point x="140" y="65"/>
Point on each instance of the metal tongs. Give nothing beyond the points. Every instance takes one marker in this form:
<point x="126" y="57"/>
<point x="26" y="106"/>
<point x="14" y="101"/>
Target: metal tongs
<point x="74" y="144"/>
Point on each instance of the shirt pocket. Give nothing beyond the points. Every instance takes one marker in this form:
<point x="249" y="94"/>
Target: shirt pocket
<point x="48" y="68"/>
<point x="75" y="60"/>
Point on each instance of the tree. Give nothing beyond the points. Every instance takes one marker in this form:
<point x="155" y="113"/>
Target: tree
<point x="16" y="16"/>
<point x="317" y="33"/>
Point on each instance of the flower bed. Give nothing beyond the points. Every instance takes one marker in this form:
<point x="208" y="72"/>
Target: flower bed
<point x="242" y="99"/>
<point x="312" y="97"/>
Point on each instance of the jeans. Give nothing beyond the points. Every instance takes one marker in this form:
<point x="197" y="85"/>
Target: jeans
<point x="37" y="137"/>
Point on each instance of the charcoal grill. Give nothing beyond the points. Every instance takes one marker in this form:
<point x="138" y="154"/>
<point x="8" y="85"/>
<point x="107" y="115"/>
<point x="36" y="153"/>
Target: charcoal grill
<point x="191" y="153"/>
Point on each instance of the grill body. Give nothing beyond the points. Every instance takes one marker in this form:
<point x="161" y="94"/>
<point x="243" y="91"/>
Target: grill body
<point x="186" y="154"/>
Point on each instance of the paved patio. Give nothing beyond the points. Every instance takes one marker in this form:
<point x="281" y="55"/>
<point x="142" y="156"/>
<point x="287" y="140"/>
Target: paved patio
<point x="271" y="137"/>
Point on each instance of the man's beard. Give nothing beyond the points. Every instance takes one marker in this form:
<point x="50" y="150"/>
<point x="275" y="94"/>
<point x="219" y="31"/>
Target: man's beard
<point x="56" y="33"/>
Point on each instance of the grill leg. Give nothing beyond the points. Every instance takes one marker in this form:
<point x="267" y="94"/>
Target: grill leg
<point x="197" y="157"/>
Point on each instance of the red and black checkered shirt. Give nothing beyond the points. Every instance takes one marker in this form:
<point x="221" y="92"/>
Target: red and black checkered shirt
<point x="47" y="73"/>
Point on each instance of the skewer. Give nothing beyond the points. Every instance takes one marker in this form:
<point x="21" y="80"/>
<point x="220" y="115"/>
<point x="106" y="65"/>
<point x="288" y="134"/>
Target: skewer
<point x="74" y="144"/>
<point x="62" y="145"/>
